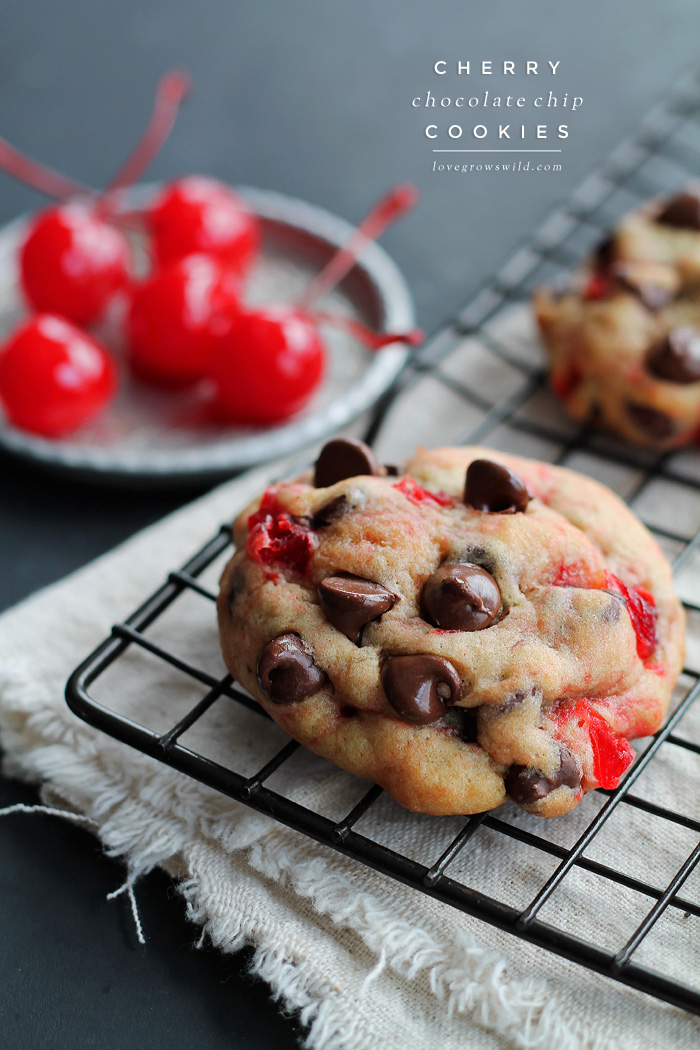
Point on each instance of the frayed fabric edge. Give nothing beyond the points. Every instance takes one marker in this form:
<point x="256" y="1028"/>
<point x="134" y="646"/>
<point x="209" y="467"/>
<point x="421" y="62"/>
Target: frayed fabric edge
<point x="144" y="837"/>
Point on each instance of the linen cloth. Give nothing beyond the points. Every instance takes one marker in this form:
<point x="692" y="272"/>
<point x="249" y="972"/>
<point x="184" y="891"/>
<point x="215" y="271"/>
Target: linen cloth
<point x="365" y="961"/>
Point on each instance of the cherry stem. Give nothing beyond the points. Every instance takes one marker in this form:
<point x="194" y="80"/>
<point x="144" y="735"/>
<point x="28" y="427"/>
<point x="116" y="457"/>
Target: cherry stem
<point x="371" y="339"/>
<point x="171" y="90"/>
<point x="37" y="175"/>
<point x="387" y="210"/>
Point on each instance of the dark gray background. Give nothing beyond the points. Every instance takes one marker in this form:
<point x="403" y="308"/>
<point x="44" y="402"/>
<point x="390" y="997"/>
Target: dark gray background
<point x="310" y="98"/>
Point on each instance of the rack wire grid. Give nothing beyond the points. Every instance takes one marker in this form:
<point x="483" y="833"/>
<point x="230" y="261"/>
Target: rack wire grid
<point x="659" y="157"/>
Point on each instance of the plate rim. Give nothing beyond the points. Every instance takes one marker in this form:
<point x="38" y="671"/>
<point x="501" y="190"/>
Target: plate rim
<point x="227" y="457"/>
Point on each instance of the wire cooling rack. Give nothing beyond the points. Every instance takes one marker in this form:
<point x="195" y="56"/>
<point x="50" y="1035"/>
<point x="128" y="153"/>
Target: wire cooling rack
<point x="660" y="157"/>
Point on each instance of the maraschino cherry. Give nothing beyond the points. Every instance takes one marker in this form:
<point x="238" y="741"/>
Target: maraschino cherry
<point x="54" y="377"/>
<point x="177" y="315"/>
<point x="267" y="367"/>
<point x="75" y="257"/>
<point x="197" y="214"/>
<point x="73" y="262"/>
<point x="269" y="364"/>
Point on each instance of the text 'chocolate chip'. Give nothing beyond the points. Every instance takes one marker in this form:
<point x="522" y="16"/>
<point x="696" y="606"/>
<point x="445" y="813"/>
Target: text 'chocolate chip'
<point x="492" y="487"/>
<point x="461" y="597"/>
<point x="420" y="688"/>
<point x="343" y="458"/>
<point x="677" y="357"/>
<point x="350" y="602"/>
<point x="287" y="670"/>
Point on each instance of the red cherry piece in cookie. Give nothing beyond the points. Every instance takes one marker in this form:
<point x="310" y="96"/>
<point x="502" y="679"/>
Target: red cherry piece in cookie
<point x="493" y="488"/>
<point x="682" y="211"/>
<point x="461" y="597"/>
<point x="677" y="357"/>
<point x="642" y="612"/>
<point x="566" y="382"/>
<point x="612" y="753"/>
<point x="527" y="786"/>
<point x="268" y="367"/>
<point x="342" y="458"/>
<point x="54" y="377"/>
<point x="598" y="287"/>
<point x="196" y="214"/>
<point x="72" y="262"/>
<point x="420" y="688"/>
<point x="276" y="538"/>
<point x="417" y="494"/>
<point x="287" y="670"/>
<point x="350" y="603"/>
<point x="176" y="317"/>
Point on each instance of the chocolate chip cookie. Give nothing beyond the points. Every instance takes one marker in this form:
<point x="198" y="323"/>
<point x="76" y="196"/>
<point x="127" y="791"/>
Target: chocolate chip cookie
<point x="473" y="628"/>
<point x="624" y="336"/>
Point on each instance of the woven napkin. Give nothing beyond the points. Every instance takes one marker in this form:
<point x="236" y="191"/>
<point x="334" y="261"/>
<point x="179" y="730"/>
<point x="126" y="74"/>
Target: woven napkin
<point x="365" y="961"/>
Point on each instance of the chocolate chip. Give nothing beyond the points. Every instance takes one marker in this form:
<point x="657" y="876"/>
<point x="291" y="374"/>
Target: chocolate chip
<point x="392" y="471"/>
<point x="463" y="721"/>
<point x="493" y="487"/>
<point x="653" y="296"/>
<point x="343" y="458"/>
<point x="677" y="357"/>
<point x="604" y="252"/>
<point x="329" y="512"/>
<point x="461" y="597"/>
<point x="421" y="687"/>
<point x="350" y="602"/>
<point x="526" y="786"/>
<point x="682" y="211"/>
<point x="287" y="670"/>
<point x="650" y="421"/>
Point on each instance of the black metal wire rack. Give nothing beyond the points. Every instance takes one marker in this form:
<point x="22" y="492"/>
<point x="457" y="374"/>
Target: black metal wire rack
<point x="662" y="156"/>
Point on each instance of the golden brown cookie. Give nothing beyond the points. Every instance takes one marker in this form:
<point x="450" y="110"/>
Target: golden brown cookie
<point x="624" y="336"/>
<point x="480" y="627"/>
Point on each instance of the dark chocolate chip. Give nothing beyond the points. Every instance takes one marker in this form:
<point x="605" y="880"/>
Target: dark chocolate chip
<point x="653" y="296"/>
<point x="392" y="471"/>
<point x="650" y="421"/>
<point x="463" y="721"/>
<point x="329" y="512"/>
<point x="421" y="687"/>
<point x="350" y="602"/>
<point x="493" y="487"/>
<point x="461" y="597"/>
<point x="682" y="211"/>
<point x="343" y="458"/>
<point x="677" y="357"/>
<point x="526" y="786"/>
<point x="287" y="670"/>
<point x="604" y="252"/>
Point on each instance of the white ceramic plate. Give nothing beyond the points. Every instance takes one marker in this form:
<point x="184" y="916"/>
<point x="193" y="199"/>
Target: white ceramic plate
<point x="149" y="436"/>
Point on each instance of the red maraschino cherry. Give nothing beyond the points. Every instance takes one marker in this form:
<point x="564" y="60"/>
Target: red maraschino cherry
<point x="74" y="257"/>
<point x="268" y="366"/>
<point x="54" y="377"/>
<point x="72" y="262"/>
<point x="177" y="315"/>
<point x="197" y="214"/>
